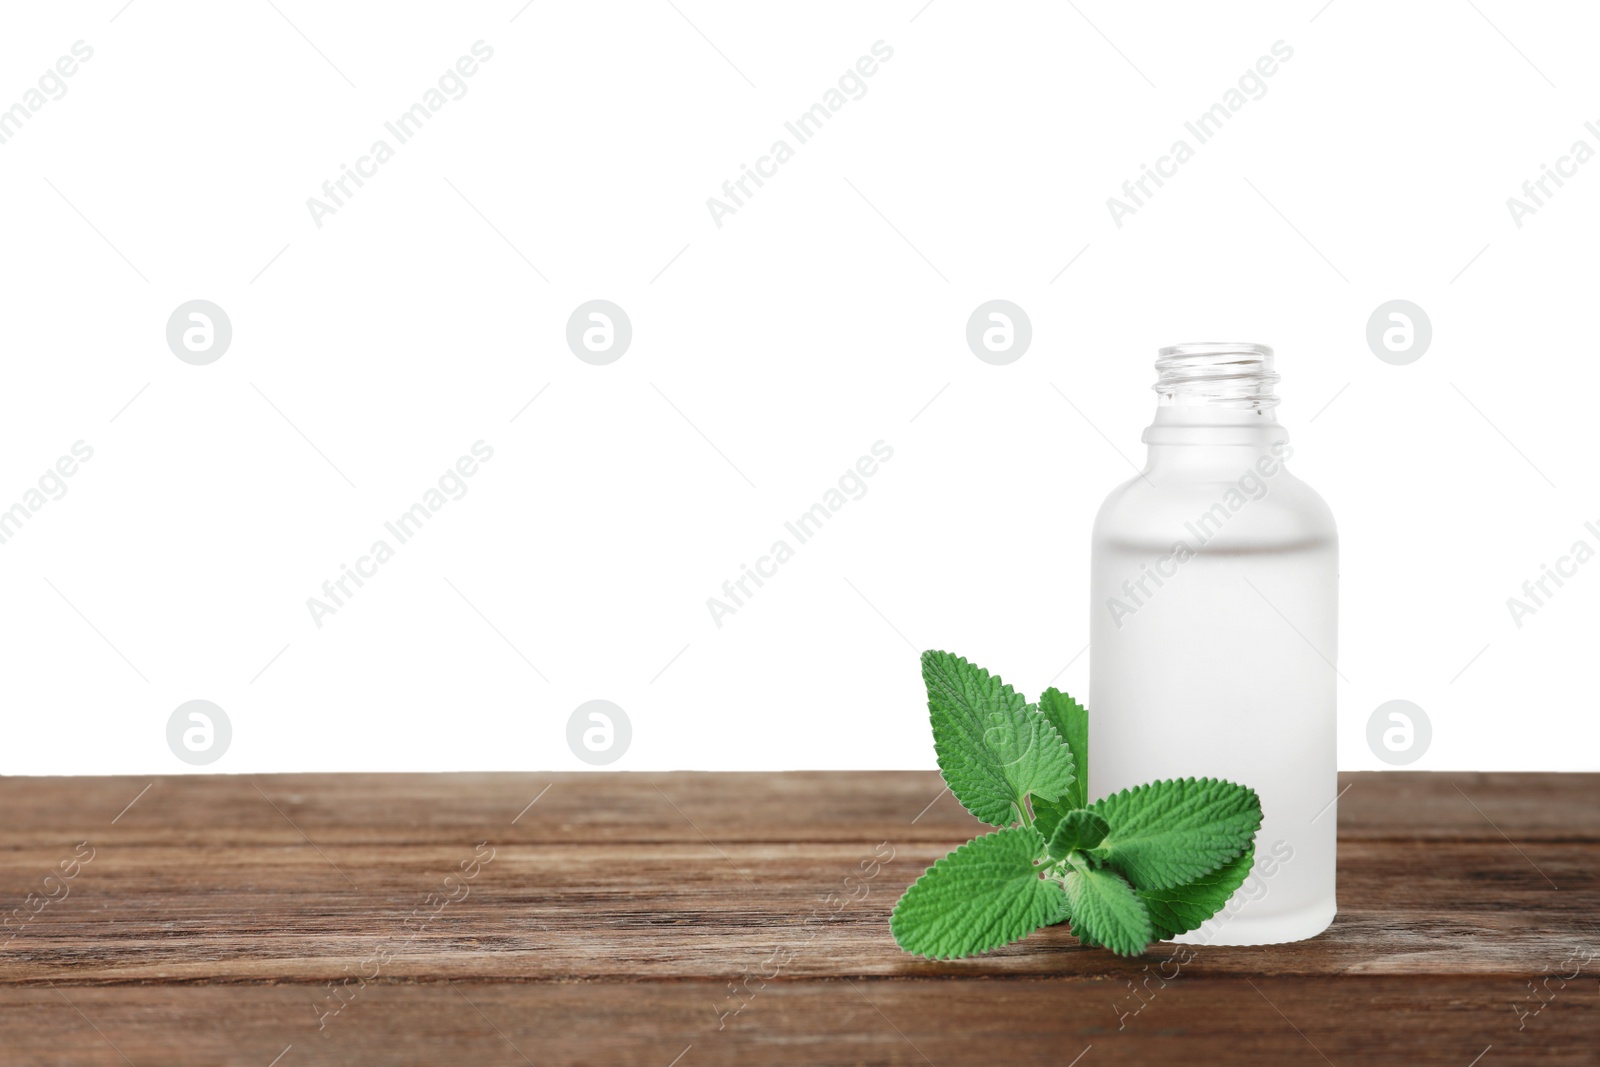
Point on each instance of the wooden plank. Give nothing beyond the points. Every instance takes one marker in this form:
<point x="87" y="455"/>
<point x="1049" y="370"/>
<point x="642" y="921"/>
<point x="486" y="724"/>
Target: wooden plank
<point x="1469" y="806"/>
<point x="1361" y="1021"/>
<point x="671" y="911"/>
<point x="582" y="808"/>
<point x="618" y="807"/>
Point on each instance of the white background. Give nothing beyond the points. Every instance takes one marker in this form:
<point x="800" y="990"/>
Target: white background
<point x="823" y="316"/>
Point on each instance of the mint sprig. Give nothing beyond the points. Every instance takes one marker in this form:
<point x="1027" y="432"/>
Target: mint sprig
<point x="1149" y="862"/>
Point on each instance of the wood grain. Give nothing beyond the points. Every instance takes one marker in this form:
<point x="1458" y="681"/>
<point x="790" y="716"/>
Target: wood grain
<point x="222" y="919"/>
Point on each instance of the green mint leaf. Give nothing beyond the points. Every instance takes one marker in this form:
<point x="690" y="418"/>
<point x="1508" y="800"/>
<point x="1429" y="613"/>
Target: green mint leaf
<point x="1171" y="832"/>
<point x="993" y="747"/>
<point x="1105" y="909"/>
<point x="1047" y="814"/>
<point x="1063" y="913"/>
<point x="985" y="894"/>
<point x="1183" y="908"/>
<point x="1077" y="830"/>
<point x="1071" y="721"/>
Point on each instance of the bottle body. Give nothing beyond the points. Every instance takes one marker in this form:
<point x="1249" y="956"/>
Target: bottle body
<point x="1214" y="582"/>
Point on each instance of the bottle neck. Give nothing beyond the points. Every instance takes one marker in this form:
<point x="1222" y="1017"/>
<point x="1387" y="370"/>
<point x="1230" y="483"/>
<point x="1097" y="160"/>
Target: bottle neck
<point x="1216" y="407"/>
<point x="1218" y="376"/>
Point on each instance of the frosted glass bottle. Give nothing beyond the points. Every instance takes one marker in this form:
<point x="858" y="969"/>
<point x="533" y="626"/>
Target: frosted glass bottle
<point x="1214" y="581"/>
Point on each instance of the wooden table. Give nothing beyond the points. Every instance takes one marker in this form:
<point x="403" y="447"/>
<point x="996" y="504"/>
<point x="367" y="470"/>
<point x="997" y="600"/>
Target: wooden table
<point x="695" y="919"/>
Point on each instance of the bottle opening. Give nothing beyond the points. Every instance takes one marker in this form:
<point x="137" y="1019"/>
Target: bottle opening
<point x="1220" y="374"/>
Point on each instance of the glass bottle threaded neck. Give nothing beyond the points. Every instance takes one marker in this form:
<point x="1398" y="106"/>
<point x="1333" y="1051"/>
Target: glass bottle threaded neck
<point x="1217" y="374"/>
